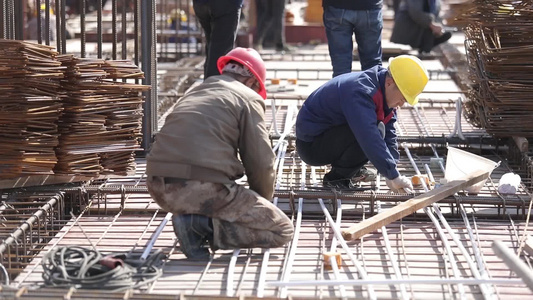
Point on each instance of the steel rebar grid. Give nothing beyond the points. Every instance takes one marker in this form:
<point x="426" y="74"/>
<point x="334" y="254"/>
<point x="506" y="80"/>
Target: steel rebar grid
<point x="29" y="221"/>
<point x="278" y="165"/>
<point x="434" y="74"/>
<point x="338" y="237"/>
<point x="486" y="290"/>
<point x="388" y="247"/>
<point x="487" y="293"/>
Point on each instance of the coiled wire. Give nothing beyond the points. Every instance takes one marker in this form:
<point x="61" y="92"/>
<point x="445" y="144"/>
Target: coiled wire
<point x="81" y="268"/>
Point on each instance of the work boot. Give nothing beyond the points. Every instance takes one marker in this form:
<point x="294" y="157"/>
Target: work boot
<point x="194" y="232"/>
<point x="284" y="48"/>
<point x="443" y="38"/>
<point x="334" y="180"/>
<point x="364" y="175"/>
<point x="258" y="47"/>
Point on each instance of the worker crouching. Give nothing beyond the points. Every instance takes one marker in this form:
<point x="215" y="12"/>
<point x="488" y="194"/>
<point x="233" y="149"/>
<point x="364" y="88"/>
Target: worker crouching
<point x="350" y="120"/>
<point x="194" y="162"/>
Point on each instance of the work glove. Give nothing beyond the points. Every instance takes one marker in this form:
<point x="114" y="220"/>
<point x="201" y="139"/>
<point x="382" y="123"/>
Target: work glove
<point x="400" y="182"/>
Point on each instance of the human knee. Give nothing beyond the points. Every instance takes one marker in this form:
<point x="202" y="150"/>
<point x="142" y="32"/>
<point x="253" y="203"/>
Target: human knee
<point x="285" y="234"/>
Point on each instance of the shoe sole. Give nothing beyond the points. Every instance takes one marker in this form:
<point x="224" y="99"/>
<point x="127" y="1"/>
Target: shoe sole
<point x="368" y="178"/>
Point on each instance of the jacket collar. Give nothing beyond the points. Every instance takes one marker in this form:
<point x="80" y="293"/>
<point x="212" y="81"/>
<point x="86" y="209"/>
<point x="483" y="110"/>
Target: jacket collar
<point x="382" y="74"/>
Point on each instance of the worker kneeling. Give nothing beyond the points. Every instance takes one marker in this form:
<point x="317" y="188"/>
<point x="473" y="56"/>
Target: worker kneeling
<point x="194" y="162"/>
<point x="350" y="120"/>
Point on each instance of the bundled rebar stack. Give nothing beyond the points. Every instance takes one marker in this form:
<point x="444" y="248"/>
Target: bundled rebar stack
<point x="123" y="123"/>
<point x="499" y="44"/>
<point x="101" y="127"/>
<point x="29" y="108"/>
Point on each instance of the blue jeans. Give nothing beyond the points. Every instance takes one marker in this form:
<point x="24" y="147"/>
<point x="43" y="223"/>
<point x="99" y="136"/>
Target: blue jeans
<point x="341" y="24"/>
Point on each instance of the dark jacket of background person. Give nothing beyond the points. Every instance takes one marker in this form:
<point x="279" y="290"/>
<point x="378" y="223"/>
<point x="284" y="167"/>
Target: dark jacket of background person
<point x="412" y="23"/>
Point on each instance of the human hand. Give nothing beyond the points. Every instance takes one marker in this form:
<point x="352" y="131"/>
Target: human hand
<point x="436" y="29"/>
<point x="400" y="182"/>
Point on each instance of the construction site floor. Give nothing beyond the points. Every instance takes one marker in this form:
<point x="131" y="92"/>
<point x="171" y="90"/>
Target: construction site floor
<point x="444" y="252"/>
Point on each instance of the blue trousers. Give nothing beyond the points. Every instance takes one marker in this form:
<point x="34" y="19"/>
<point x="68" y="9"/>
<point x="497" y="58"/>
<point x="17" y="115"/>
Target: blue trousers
<point x="340" y="25"/>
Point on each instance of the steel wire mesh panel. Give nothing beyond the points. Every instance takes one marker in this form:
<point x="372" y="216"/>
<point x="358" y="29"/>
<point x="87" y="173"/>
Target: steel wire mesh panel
<point x="499" y="51"/>
<point x="28" y="222"/>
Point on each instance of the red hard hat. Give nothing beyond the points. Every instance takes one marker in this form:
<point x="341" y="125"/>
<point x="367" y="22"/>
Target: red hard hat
<point x="249" y="58"/>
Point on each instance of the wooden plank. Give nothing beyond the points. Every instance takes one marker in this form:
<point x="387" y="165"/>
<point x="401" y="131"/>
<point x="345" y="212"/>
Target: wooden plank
<point x="410" y="206"/>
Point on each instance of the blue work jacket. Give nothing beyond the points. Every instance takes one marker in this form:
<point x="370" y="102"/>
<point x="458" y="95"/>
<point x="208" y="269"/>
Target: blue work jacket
<point x="356" y="99"/>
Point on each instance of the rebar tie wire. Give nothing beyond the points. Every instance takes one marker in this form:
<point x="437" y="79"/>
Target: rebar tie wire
<point x="82" y="268"/>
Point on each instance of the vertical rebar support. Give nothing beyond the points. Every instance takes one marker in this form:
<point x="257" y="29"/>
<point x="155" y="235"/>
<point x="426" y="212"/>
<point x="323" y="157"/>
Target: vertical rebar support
<point x="3" y="33"/>
<point x="47" y="22"/>
<point x="83" y="38"/>
<point x="19" y="20"/>
<point x="99" y="27"/>
<point x="149" y="67"/>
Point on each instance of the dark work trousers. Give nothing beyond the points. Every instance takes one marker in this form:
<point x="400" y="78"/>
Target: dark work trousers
<point x="241" y="217"/>
<point x="220" y="24"/>
<point x="270" y="18"/>
<point x="427" y="42"/>
<point x="336" y="146"/>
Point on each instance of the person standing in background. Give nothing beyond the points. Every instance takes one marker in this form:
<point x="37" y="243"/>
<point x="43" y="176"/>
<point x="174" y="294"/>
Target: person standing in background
<point x="270" y="22"/>
<point x="220" y="21"/>
<point x="342" y="19"/>
<point x="417" y="24"/>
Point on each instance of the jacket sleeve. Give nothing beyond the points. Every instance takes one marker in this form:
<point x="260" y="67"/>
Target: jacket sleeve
<point x="391" y="138"/>
<point x="255" y="150"/>
<point x="415" y="8"/>
<point x="359" y="110"/>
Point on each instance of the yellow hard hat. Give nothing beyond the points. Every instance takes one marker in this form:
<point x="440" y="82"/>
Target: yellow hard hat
<point x="409" y="75"/>
<point x="43" y="7"/>
<point x="178" y="13"/>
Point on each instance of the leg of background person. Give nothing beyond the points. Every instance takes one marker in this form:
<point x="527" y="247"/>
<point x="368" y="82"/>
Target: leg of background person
<point x="262" y="7"/>
<point x="368" y="27"/>
<point x="427" y="41"/>
<point x="339" y="33"/>
<point x="278" y="23"/>
<point x="203" y="14"/>
<point x="266" y="33"/>
<point x="223" y="37"/>
<point x="396" y="6"/>
<point x="224" y="32"/>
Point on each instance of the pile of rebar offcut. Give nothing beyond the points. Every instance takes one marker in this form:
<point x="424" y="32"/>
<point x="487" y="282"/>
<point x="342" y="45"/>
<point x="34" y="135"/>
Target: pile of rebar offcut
<point x="29" y="108"/>
<point x="101" y="126"/>
<point x="499" y="45"/>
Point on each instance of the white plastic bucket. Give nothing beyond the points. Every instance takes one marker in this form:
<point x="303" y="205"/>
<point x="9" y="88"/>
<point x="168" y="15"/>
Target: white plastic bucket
<point x="460" y="163"/>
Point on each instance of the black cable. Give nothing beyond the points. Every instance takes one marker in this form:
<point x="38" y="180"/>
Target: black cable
<point x="83" y="268"/>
